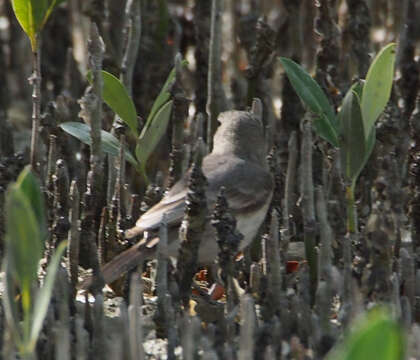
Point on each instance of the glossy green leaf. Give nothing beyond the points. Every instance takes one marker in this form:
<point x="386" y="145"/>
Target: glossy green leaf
<point x="377" y="336"/>
<point x="162" y="98"/>
<point x="116" y="97"/>
<point x="32" y="16"/>
<point x="109" y="142"/>
<point x="352" y="144"/>
<point x="377" y="89"/>
<point x="311" y="94"/>
<point x="23" y="239"/>
<point x="325" y="130"/>
<point x="149" y="139"/>
<point x="31" y="187"/>
<point x="44" y="295"/>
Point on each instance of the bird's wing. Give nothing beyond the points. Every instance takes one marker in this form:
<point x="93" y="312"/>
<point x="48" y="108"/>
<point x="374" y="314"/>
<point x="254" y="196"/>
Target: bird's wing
<point x="172" y="206"/>
<point x="247" y="185"/>
<point x="123" y="262"/>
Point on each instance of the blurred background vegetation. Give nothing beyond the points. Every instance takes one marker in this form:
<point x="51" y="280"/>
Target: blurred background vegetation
<point x="89" y="203"/>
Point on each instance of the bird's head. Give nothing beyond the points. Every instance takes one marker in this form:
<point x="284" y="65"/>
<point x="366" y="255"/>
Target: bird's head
<point x="241" y="133"/>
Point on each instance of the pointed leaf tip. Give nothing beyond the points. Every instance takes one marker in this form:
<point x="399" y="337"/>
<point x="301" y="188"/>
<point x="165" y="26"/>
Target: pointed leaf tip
<point x="311" y="94"/>
<point x="378" y="85"/>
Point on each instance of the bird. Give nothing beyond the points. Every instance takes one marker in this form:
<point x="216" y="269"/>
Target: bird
<point x="238" y="164"/>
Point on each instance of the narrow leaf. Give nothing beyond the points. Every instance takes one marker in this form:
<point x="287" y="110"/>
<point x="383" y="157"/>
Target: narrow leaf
<point x="314" y="98"/>
<point x="325" y="130"/>
<point x="24" y="245"/>
<point x="44" y="295"/>
<point x="148" y="140"/>
<point x="51" y="5"/>
<point x="116" y="97"/>
<point x="31" y="187"/>
<point x="352" y="144"/>
<point x="9" y="302"/>
<point x="109" y="142"/>
<point x="377" y="89"/>
<point x="162" y="98"/>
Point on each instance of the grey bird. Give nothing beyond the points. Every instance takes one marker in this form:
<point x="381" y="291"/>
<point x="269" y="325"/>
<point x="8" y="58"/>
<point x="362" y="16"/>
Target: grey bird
<point x="237" y="163"/>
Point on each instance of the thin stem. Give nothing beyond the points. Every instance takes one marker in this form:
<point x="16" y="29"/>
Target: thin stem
<point x="351" y="209"/>
<point x="308" y="207"/>
<point x="35" y="80"/>
<point x="133" y="28"/>
<point x="214" y="90"/>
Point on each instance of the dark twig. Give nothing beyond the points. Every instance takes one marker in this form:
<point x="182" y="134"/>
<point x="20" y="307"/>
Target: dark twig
<point x="73" y="237"/>
<point x="191" y="229"/>
<point x="96" y="51"/>
<point x="202" y="18"/>
<point x="308" y="207"/>
<point x="179" y="114"/>
<point x="215" y="94"/>
<point x="248" y="328"/>
<point x="274" y="298"/>
<point x="409" y="82"/>
<point x="290" y="187"/>
<point x="328" y="56"/>
<point x="134" y="318"/>
<point x="414" y="168"/>
<point x="358" y="26"/>
<point x="133" y="29"/>
<point x="259" y="72"/>
<point x="35" y="80"/>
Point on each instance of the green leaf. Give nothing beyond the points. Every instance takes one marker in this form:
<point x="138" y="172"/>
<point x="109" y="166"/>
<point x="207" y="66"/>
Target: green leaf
<point x="377" y="336"/>
<point x="109" y="142"/>
<point x="162" y="98"/>
<point x="314" y="98"/>
<point x="32" y="16"/>
<point x="23" y="239"/>
<point x="370" y="144"/>
<point x="116" y="97"/>
<point x="352" y="144"/>
<point x="377" y="89"/>
<point x="149" y="139"/>
<point x="9" y="302"/>
<point x="44" y="295"/>
<point x="325" y="130"/>
<point x="31" y="187"/>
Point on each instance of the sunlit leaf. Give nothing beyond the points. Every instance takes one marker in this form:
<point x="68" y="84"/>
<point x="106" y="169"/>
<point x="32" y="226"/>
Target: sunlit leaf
<point x="109" y="142"/>
<point x="32" y="16"/>
<point x="9" y="301"/>
<point x="314" y="98"/>
<point x="352" y="144"/>
<point x="31" y="187"/>
<point x="116" y="97"/>
<point x="377" y="89"/>
<point x="23" y="240"/>
<point x="377" y="336"/>
<point x="370" y="144"/>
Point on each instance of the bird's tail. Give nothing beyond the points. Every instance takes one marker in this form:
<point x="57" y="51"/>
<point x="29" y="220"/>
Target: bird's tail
<point x="134" y="231"/>
<point x="122" y="263"/>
